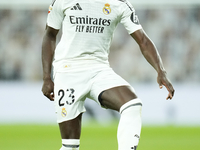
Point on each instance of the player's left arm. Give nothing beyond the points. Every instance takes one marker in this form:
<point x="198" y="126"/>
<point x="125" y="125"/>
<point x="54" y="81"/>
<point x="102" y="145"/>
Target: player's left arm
<point x="48" y="49"/>
<point x="151" y="54"/>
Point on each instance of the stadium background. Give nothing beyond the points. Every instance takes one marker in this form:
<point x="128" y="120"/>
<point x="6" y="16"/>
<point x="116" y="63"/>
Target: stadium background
<point x="172" y="25"/>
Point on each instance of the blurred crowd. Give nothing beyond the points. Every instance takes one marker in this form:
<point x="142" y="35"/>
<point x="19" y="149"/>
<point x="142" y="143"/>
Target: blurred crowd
<point x="175" y="32"/>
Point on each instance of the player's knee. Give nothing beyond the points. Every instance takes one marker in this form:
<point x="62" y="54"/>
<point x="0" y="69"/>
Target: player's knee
<point x="130" y="104"/>
<point x="70" y="144"/>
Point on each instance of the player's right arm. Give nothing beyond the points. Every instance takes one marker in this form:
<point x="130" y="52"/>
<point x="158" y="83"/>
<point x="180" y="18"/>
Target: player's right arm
<point x="48" y="48"/>
<point x="54" y="23"/>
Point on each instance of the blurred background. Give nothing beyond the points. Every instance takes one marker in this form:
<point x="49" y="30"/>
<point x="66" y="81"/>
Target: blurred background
<point x="172" y="25"/>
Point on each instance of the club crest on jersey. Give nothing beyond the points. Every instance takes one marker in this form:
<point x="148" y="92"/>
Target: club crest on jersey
<point x="107" y="9"/>
<point x="64" y="112"/>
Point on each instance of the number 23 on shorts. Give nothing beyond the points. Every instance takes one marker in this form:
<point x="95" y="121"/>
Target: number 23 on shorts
<point x="68" y="94"/>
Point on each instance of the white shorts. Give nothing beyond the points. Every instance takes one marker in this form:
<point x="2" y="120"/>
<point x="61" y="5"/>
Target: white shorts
<point x="74" y="85"/>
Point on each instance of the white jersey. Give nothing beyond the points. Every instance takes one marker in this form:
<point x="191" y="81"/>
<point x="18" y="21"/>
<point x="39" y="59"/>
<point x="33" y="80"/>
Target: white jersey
<point x="87" y="28"/>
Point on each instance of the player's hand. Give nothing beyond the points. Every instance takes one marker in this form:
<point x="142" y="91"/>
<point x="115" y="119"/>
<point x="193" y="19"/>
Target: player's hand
<point x="48" y="88"/>
<point x="163" y="80"/>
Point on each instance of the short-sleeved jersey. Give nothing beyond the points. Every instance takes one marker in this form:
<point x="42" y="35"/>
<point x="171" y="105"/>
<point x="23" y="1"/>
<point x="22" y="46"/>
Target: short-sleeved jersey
<point x="88" y="26"/>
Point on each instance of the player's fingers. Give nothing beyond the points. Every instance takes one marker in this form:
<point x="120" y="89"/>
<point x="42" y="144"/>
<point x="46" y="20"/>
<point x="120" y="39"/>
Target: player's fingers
<point x="163" y="81"/>
<point x="47" y="90"/>
<point x="160" y="84"/>
<point x="170" y="90"/>
<point x="47" y="95"/>
<point x="169" y="96"/>
<point x="51" y="96"/>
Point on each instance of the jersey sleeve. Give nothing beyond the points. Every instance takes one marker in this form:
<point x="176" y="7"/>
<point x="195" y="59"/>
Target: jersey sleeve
<point x="55" y="15"/>
<point x="129" y="18"/>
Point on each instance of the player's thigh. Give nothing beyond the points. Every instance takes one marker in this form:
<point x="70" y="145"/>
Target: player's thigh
<point x="111" y="90"/>
<point x="115" y="97"/>
<point x="71" y="129"/>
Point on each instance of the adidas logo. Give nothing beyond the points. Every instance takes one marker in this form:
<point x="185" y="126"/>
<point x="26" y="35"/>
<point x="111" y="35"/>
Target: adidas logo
<point x="76" y="7"/>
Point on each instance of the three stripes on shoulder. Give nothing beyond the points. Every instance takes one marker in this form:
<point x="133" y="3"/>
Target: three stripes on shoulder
<point x="76" y="7"/>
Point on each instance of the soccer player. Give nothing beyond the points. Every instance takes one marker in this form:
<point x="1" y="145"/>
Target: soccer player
<point x="81" y="67"/>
